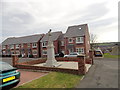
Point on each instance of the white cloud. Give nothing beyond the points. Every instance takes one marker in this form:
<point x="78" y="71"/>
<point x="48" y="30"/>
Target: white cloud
<point x="22" y="17"/>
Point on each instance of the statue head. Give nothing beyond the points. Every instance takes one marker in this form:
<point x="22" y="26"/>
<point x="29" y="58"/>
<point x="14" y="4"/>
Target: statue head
<point x="49" y="32"/>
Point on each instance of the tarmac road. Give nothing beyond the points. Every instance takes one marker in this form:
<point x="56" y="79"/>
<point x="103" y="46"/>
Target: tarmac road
<point x="103" y="74"/>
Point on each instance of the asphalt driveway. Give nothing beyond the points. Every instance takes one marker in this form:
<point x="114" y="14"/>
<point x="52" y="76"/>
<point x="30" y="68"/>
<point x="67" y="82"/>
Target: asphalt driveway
<point x="103" y="74"/>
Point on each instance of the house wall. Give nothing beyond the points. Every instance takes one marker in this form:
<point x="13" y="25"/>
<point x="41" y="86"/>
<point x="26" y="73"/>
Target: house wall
<point x="76" y="45"/>
<point x="56" y="48"/>
<point x="87" y="41"/>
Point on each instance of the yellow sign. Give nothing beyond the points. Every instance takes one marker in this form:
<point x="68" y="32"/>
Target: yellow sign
<point x="8" y="79"/>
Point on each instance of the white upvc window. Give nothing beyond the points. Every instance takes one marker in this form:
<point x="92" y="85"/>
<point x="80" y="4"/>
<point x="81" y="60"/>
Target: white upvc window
<point x="12" y="46"/>
<point x="71" y="50"/>
<point x="44" y="52"/>
<point x="22" y="45"/>
<point x="70" y="40"/>
<point x="28" y="44"/>
<point x="18" y="52"/>
<point x="3" y="47"/>
<point x="34" y="52"/>
<point x="80" y="50"/>
<point x="3" y="52"/>
<point x="44" y="44"/>
<point x="17" y="46"/>
<point x="12" y="52"/>
<point x="34" y="45"/>
<point x="62" y="43"/>
<point x="79" y="39"/>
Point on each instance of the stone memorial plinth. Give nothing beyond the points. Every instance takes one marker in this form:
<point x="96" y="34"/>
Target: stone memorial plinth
<point x="51" y="61"/>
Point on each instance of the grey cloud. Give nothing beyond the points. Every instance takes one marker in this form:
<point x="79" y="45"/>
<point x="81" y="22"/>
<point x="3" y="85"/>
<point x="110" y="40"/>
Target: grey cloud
<point x="92" y="12"/>
<point x="15" y="23"/>
<point x="103" y="23"/>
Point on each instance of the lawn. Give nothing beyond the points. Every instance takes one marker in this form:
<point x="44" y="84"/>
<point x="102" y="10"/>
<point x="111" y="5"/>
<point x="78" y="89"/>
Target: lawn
<point x="54" y="80"/>
<point x="108" y="55"/>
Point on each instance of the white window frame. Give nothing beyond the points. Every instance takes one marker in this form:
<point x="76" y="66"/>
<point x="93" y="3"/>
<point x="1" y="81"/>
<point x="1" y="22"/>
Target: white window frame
<point x="17" y="46"/>
<point x="12" y="52"/>
<point x="4" y="52"/>
<point x="17" y="52"/>
<point x="28" y="45"/>
<point x="44" y="51"/>
<point x="71" y="50"/>
<point x="34" y="53"/>
<point x="44" y="44"/>
<point x="71" y="40"/>
<point x="34" y="45"/>
<point x="81" y="40"/>
<point x="62" y="43"/>
<point x="3" y="47"/>
<point x="80" y="50"/>
<point x="12" y="46"/>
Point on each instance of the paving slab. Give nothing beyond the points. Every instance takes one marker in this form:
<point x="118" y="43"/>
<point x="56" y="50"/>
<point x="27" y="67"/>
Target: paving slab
<point x="69" y="65"/>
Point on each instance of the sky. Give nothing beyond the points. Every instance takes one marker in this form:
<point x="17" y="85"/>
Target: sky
<point x="28" y="17"/>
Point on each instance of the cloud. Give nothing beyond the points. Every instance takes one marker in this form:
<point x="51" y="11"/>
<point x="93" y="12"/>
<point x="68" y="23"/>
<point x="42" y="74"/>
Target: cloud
<point x="29" y="17"/>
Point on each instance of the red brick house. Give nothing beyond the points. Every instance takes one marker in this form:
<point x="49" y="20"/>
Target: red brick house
<point x="77" y="39"/>
<point x="56" y="40"/>
<point x="26" y="45"/>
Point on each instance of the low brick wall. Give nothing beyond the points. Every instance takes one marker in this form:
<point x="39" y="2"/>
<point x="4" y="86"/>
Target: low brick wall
<point x="72" y="71"/>
<point x="44" y="60"/>
<point x="88" y="61"/>
<point x="81" y="65"/>
<point x="68" y="59"/>
<point x="32" y="62"/>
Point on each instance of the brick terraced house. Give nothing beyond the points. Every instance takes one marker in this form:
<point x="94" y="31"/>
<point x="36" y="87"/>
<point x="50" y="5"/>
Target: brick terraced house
<point x="26" y="45"/>
<point x="76" y="39"/>
<point x="55" y="37"/>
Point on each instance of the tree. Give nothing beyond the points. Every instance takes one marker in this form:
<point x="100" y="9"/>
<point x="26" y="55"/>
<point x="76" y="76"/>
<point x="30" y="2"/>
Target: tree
<point x="93" y="40"/>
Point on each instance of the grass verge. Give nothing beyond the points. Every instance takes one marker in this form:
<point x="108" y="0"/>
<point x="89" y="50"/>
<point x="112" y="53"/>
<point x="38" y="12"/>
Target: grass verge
<point x="54" y="80"/>
<point x="108" y="55"/>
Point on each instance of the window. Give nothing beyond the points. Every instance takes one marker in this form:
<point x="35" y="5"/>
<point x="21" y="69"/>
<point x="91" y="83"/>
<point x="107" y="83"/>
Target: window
<point x="18" y="52"/>
<point x="11" y="46"/>
<point x="34" y="45"/>
<point x="3" y="47"/>
<point x="80" y="50"/>
<point x="79" y="40"/>
<point x="70" y="40"/>
<point x="44" y="44"/>
<point x="3" y="52"/>
<point x="17" y="45"/>
<point x="62" y="43"/>
<point x="12" y="52"/>
<point x="28" y="44"/>
<point x="22" y="45"/>
<point x="44" y="52"/>
<point x="34" y="52"/>
<point x="71" y="50"/>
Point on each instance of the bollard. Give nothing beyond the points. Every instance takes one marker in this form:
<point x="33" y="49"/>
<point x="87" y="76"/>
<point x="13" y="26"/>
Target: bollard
<point x="81" y="65"/>
<point x="14" y="60"/>
<point x="91" y="53"/>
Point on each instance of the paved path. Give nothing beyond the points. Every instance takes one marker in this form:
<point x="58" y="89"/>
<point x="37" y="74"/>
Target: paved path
<point x="103" y="74"/>
<point x="27" y="76"/>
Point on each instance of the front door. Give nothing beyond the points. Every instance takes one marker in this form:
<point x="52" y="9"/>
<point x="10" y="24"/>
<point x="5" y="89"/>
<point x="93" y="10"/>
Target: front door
<point x="71" y="50"/>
